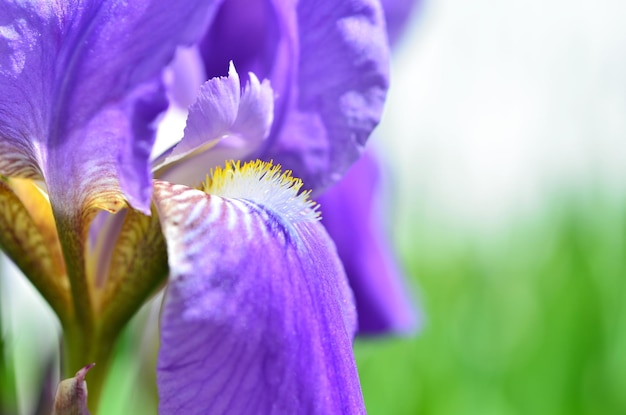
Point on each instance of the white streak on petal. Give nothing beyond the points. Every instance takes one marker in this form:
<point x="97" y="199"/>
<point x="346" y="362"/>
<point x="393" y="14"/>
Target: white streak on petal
<point x="265" y="185"/>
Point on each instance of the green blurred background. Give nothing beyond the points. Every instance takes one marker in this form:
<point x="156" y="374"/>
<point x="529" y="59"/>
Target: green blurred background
<point x="505" y="137"/>
<point x="528" y="321"/>
<point x="504" y="142"/>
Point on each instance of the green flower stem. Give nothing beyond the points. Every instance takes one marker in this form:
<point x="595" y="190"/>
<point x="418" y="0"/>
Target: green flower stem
<point x="8" y="386"/>
<point x="137" y="269"/>
<point x="82" y="344"/>
<point x="72" y="235"/>
<point x="79" y="352"/>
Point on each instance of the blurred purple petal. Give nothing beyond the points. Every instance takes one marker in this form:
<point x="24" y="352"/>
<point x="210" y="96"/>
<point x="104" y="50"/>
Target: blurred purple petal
<point x="79" y="92"/>
<point x="350" y="216"/>
<point x="397" y="14"/>
<point x="183" y="76"/>
<point x="258" y="317"/>
<point x="225" y="123"/>
<point x="328" y="63"/>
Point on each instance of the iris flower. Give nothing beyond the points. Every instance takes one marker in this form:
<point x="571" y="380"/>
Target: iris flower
<point x="257" y="316"/>
<point x="248" y="35"/>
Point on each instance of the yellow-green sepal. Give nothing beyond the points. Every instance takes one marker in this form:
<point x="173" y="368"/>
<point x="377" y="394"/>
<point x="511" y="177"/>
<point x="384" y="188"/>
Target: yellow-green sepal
<point x="29" y="237"/>
<point x="138" y="268"/>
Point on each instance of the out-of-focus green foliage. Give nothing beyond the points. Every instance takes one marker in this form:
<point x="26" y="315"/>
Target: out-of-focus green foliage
<point x="131" y="386"/>
<point x="8" y="402"/>
<point x="8" y="396"/>
<point x="529" y="321"/>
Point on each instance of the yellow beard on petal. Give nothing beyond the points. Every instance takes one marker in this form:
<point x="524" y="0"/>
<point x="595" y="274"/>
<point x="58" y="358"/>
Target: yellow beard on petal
<point x="265" y="184"/>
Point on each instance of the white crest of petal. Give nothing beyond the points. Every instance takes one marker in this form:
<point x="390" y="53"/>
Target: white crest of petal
<point x="266" y="185"/>
<point x="226" y="122"/>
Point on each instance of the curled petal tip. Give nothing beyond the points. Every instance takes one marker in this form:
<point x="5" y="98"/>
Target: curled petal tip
<point x="225" y="122"/>
<point x="80" y="375"/>
<point x="328" y="63"/>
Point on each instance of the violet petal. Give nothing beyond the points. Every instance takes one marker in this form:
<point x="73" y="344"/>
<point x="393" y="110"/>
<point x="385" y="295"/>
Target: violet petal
<point x="225" y="123"/>
<point x="247" y="32"/>
<point x="328" y="63"/>
<point x="79" y="91"/>
<point x="350" y="215"/>
<point x="257" y="317"/>
<point x="397" y="15"/>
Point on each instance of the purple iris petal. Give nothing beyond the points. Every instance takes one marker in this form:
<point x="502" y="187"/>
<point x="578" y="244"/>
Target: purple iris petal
<point x="79" y="89"/>
<point x="328" y="63"/>
<point x="350" y="216"/>
<point x="397" y="13"/>
<point x="183" y="76"/>
<point x="225" y="123"/>
<point x="258" y="317"/>
<point x="247" y="32"/>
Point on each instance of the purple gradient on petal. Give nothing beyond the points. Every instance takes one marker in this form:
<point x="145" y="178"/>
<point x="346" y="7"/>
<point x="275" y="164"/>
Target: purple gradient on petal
<point x="73" y="77"/>
<point x="338" y="89"/>
<point x="298" y="53"/>
<point x="246" y="32"/>
<point x="135" y="175"/>
<point x="257" y="317"/>
<point x="183" y="76"/>
<point x="350" y="216"/>
<point x="259" y="36"/>
<point x="397" y="14"/>
<point x="327" y="62"/>
<point x="226" y="122"/>
<point x="210" y="117"/>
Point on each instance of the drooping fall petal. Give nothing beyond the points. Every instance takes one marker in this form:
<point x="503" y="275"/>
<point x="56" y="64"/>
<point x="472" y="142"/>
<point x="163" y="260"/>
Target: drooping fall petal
<point x="258" y="316"/>
<point x="79" y="82"/>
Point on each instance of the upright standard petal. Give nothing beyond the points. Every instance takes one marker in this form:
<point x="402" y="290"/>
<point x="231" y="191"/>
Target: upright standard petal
<point x="352" y="220"/>
<point x="258" y="317"/>
<point x="79" y="91"/>
<point x="341" y="86"/>
<point x="250" y="33"/>
<point x="225" y="123"/>
<point x="328" y="63"/>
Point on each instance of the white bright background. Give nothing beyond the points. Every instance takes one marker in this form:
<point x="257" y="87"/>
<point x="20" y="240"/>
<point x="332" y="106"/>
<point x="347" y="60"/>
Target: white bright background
<point x="496" y="105"/>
